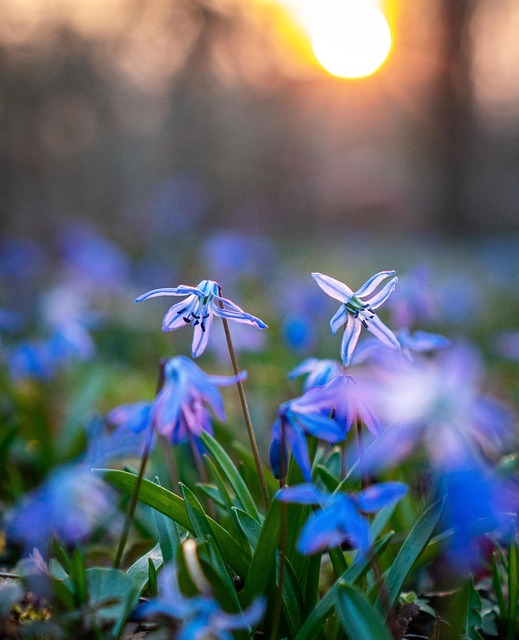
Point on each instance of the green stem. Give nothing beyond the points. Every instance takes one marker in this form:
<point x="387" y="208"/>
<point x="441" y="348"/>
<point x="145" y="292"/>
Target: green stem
<point x="133" y="504"/>
<point x="131" y="509"/>
<point x="246" y="414"/>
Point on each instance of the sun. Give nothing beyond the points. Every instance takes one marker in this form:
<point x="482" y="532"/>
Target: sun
<point x="350" y="38"/>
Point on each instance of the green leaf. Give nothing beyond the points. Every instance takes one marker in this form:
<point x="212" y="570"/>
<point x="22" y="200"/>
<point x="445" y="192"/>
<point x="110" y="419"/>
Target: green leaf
<point x="326" y="477"/>
<point x="314" y="623"/>
<point x="410" y="551"/>
<point x="169" y="538"/>
<point x="171" y="505"/>
<point x="513" y="587"/>
<point x="112" y="594"/>
<point x="152" y="578"/>
<point x="464" y="614"/>
<point x="381" y="519"/>
<point x="263" y="559"/>
<point x="204" y="532"/>
<point x="250" y="527"/>
<point x="358" y="617"/>
<point x="212" y="493"/>
<point x="292" y="600"/>
<point x="231" y="474"/>
<point x="139" y="571"/>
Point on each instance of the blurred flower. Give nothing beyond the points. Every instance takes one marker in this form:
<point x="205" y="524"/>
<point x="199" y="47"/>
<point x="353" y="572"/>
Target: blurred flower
<point x="418" y="342"/>
<point x="439" y="404"/>
<point x="300" y="309"/>
<point x="507" y="344"/>
<point x="203" y="302"/>
<point x="477" y="502"/>
<point x="180" y="410"/>
<point x="91" y="260"/>
<point x="357" y="310"/>
<point x="230" y="254"/>
<point x="294" y="421"/>
<point x="201" y="616"/>
<point x="319" y="371"/>
<point x="243" y="341"/>
<point x="104" y="445"/>
<point x="30" y="360"/>
<point x="416" y="299"/>
<point x="69" y="504"/>
<point x="342" y="517"/>
<point x="345" y="400"/>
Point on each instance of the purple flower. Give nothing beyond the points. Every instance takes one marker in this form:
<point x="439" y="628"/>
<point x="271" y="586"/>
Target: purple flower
<point x="318" y="372"/>
<point x="438" y="404"/>
<point x="202" y="303"/>
<point x="201" y="616"/>
<point x="411" y="344"/>
<point x="181" y="409"/>
<point x="342" y="517"/>
<point x="346" y="400"/>
<point x="417" y="299"/>
<point x="357" y="310"/>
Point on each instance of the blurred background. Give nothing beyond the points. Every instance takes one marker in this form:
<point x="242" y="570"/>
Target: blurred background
<point x="145" y="143"/>
<point x="148" y="143"/>
<point x="157" y="120"/>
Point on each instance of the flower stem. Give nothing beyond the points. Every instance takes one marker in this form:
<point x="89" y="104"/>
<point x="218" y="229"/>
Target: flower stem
<point x="131" y="508"/>
<point x="246" y="414"/>
<point x="138" y="482"/>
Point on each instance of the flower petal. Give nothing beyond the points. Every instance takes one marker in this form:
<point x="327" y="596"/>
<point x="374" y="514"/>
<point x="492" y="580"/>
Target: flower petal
<point x="306" y="493"/>
<point x="350" y="339"/>
<point x="333" y="287"/>
<point x="380" y="297"/>
<point x="174" y="318"/>
<point x="232" y="311"/>
<point x="320" y="531"/>
<point x="182" y="290"/>
<point x="370" y="285"/>
<point x="340" y="317"/>
<point x="299" y="446"/>
<point x="378" y="495"/>
<point x="201" y="337"/>
<point x="383" y="333"/>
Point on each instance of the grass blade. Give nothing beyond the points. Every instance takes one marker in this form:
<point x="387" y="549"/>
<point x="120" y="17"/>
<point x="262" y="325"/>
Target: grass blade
<point x="410" y="551"/>
<point x="358" y="617"/>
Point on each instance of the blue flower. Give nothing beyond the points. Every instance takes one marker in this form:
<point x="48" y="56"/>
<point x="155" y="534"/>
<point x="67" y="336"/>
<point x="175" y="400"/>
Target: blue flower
<point x="202" y="303"/>
<point x="319" y="371"/>
<point x="357" y="310"/>
<point x="477" y="502"/>
<point x="342" y="517"/>
<point x="201" y="616"/>
<point x="294" y="421"/>
<point x="180" y="410"/>
<point x="69" y="504"/>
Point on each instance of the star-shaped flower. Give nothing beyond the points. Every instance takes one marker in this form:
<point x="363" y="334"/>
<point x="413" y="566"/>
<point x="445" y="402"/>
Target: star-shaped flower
<point x="342" y="517"/>
<point x="202" y="303"/>
<point x="357" y="310"/>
